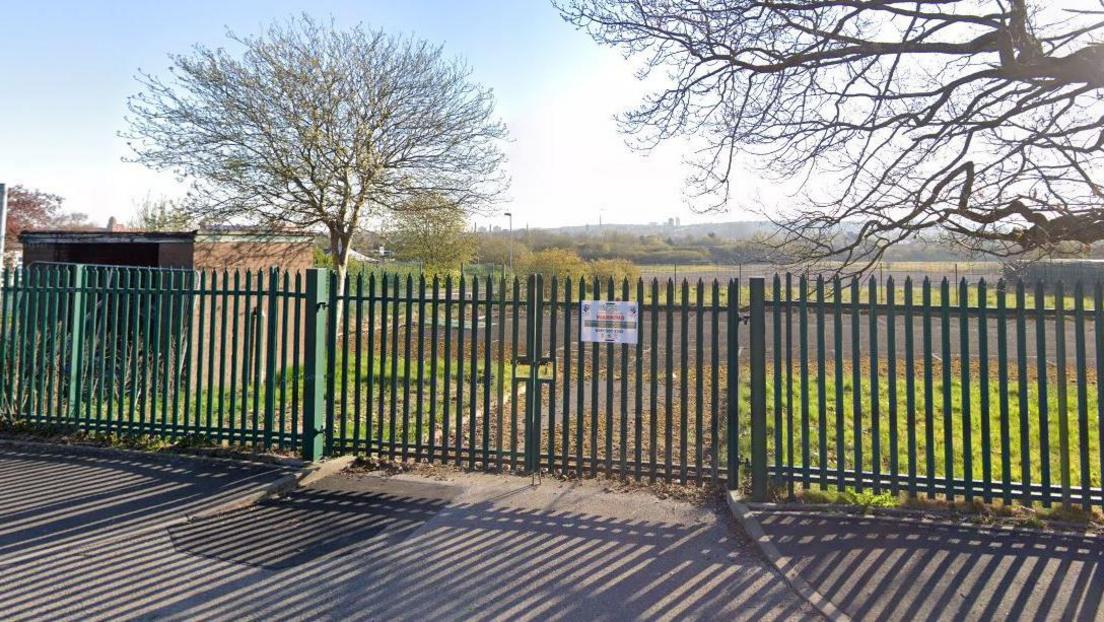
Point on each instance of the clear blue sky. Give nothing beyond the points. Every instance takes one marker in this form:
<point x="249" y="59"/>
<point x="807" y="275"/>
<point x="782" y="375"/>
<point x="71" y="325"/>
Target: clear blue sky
<point x="68" y="67"/>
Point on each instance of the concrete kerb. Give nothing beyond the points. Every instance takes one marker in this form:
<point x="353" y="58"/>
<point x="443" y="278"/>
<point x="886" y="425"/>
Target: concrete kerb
<point x="770" y="552"/>
<point x="743" y="510"/>
<point x="306" y="474"/>
<point x="909" y="516"/>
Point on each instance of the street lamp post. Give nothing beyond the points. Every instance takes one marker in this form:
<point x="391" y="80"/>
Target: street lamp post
<point x="510" y="242"/>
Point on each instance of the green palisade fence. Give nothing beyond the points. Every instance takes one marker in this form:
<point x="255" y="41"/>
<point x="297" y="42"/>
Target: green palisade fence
<point x="988" y="391"/>
<point x="168" y="353"/>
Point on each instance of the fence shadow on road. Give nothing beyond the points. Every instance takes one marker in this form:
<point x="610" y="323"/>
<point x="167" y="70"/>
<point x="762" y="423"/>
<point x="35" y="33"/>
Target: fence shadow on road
<point x="357" y="555"/>
<point x="54" y="496"/>
<point x="876" y="568"/>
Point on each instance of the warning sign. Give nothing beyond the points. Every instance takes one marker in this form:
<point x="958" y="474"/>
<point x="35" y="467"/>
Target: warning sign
<point x="608" y="321"/>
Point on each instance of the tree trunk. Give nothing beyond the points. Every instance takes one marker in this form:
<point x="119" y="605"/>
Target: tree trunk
<point x="339" y="251"/>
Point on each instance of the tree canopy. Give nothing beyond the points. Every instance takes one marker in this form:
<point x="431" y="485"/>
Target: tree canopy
<point x="315" y="127"/>
<point x="980" y="120"/>
<point x="433" y="233"/>
<point x="35" y="209"/>
<point x="561" y="263"/>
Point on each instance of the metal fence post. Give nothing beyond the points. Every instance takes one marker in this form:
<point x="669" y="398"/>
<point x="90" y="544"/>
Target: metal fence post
<point x="76" y="348"/>
<point x="532" y="386"/>
<point x="732" y="320"/>
<point x="270" y="357"/>
<point x="758" y="379"/>
<point x="314" y="364"/>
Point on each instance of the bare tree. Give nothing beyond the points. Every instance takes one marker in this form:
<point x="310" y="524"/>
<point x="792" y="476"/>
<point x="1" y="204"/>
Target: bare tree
<point x="320" y="128"/>
<point x="162" y="214"/>
<point x="981" y="120"/>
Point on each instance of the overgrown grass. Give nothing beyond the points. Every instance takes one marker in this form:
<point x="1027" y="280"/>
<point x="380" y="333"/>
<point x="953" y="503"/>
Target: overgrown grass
<point x="391" y="393"/>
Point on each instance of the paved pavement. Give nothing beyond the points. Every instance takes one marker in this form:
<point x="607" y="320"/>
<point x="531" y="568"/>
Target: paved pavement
<point x="411" y="548"/>
<point x="876" y="568"/>
<point x="53" y="497"/>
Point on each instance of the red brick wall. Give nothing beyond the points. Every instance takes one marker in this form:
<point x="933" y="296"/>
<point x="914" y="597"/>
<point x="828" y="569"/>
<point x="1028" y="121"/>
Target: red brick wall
<point x="174" y="255"/>
<point x="248" y="255"/>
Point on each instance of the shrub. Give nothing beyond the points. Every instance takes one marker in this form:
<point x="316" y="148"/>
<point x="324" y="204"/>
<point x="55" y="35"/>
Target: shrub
<point x="560" y="263"/>
<point x="619" y="270"/>
<point x="322" y="259"/>
<point x="676" y="256"/>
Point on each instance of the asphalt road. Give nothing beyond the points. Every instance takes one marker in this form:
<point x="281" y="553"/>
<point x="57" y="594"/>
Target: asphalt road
<point x="408" y="548"/>
<point x="876" y="568"/>
<point x="54" y="497"/>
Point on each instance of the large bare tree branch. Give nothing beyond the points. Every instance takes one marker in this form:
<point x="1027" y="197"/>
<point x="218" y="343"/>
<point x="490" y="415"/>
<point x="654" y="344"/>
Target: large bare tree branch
<point x="980" y="120"/>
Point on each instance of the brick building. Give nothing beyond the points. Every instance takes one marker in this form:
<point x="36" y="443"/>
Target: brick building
<point x="209" y="249"/>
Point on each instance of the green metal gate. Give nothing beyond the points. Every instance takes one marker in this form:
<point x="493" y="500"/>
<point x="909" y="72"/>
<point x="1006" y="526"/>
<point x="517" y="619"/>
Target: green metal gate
<point x="489" y="373"/>
<point x="534" y="360"/>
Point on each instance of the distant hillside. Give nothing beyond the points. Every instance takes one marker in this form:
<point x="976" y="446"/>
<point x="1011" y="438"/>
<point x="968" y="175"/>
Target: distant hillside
<point x="735" y="230"/>
<point x="704" y="243"/>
